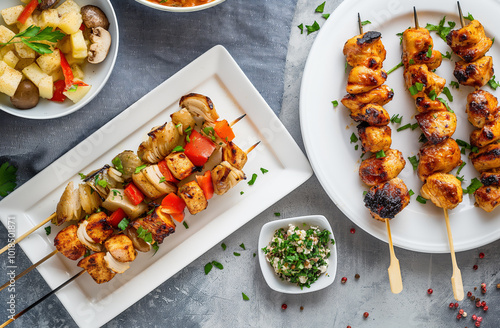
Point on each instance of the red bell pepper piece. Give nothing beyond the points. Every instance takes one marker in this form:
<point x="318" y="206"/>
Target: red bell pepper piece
<point x="206" y="184"/>
<point x="117" y="216"/>
<point x="179" y="217"/>
<point x="28" y="10"/>
<point x="59" y="87"/>
<point x="162" y="165"/>
<point x="199" y="148"/>
<point x="82" y="27"/>
<point x="134" y="194"/>
<point x="224" y="130"/>
<point x="67" y="72"/>
<point x="173" y="204"/>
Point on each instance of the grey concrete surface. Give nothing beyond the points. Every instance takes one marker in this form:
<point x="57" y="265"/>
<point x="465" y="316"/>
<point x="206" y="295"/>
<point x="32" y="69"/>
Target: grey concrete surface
<point x="193" y="299"/>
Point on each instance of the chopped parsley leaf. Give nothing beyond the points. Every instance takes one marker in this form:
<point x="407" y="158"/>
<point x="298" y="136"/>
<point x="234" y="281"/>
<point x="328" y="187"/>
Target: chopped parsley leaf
<point x="366" y="22"/>
<point x="242" y="246"/>
<point x="493" y="84"/>
<point x="448" y="94"/>
<point x="414" y="126"/>
<point x="421" y="199"/>
<point x="416" y="88"/>
<point x="8" y="178"/>
<point x="414" y="162"/>
<point x="82" y="176"/>
<point x="395" y="68"/>
<point x="208" y="268"/>
<point x="454" y="84"/>
<point x="277" y="214"/>
<point x="475" y="184"/>
<point x="325" y="16"/>
<point x="404" y="127"/>
<point x="320" y="8"/>
<point x="380" y="154"/>
<point x="140" y="168"/>
<point x="252" y="181"/>
<point x="312" y="28"/>
<point x="223" y="246"/>
<point x="460" y="167"/>
<point x="236" y="254"/>
<point x="432" y="94"/>
<point x="245" y="298"/>
<point x="123" y="224"/>
<point x="217" y="265"/>
<point x="448" y="55"/>
<point x="411" y="192"/>
<point x="184" y="223"/>
<point x="469" y="17"/>
<point x="429" y="52"/>
<point x="48" y="230"/>
<point x="117" y="162"/>
<point x="301" y="28"/>
<point x="335" y="103"/>
<point x="178" y="149"/>
<point x="354" y="138"/>
<point x="446" y="105"/>
<point x="263" y="170"/>
<point x="242" y="192"/>
<point x="411" y="61"/>
<point x="441" y="30"/>
<point x="102" y="183"/>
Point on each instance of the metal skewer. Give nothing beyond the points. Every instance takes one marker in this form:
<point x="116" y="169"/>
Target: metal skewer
<point x="462" y="22"/>
<point x="415" y="17"/>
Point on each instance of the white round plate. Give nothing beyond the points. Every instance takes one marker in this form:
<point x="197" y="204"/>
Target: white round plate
<point x="179" y="9"/>
<point x="95" y="75"/>
<point x="326" y="130"/>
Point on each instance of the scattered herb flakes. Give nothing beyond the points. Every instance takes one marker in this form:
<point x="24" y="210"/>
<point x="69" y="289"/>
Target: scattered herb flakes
<point x="356" y="147"/>
<point x="354" y="138"/>
<point x="252" y="181"/>
<point x="301" y="28"/>
<point x="242" y="246"/>
<point x="411" y="61"/>
<point x="245" y="298"/>
<point x="395" y="68"/>
<point x="466" y="145"/>
<point x="242" y="192"/>
<point x="380" y="154"/>
<point x="448" y="55"/>
<point x="8" y="179"/>
<point x="178" y="149"/>
<point x="123" y="224"/>
<point x="441" y="30"/>
<point x="184" y="223"/>
<point x="366" y="22"/>
<point x="460" y="167"/>
<point x="454" y="84"/>
<point x="400" y="34"/>
<point x="277" y="214"/>
<point x="335" y="103"/>
<point x="254" y="255"/>
<point x="475" y="184"/>
<point x="223" y="246"/>
<point x="492" y="41"/>
<point x="326" y="16"/>
<point x="320" y="8"/>
<point x="48" y="230"/>
<point x="396" y="118"/>
<point x="312" y="28"/>
<point x="208" y="268"/>
<point x="421" y="199"/>
<point x="162" y="179"/>
<point x="102" y="183"/>
<point x="429" y="52"/>
<point x="461" y="179"/>
<point x="432" y="94"/>
<point x="404" y="127"/>
<point x="414" y="162"/>
<point x="493" y="84"/>
<point x="263" y="170"/>
<point x="140" y="168"/>
<point x="416" y="88"/>
<point x="217" y="265"/>
<point x="82" y="176"/>
<point x="346" y="66"/>
<point x="448" y="94"/>
<point x="365" y="192"/>
<point x="411" y="192"/>
<point x="469" y="17"/>
<point x="414" y="126"/>
<point x="236" y="254"/>
<point x="117" y="162"/>
<point x="446" y="105"/>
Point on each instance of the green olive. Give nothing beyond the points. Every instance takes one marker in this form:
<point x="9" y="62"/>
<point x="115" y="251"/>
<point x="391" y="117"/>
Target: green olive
<point x="26" y="95"/>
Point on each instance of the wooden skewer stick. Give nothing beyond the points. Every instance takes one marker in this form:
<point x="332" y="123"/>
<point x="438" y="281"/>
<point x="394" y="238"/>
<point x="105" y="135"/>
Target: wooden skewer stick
<point x="360" y="25"/>
<point x="462" y="22"/>
<point x="456" y="278"/>
<point x="29" y="269"/>
<point x="42" y="299"/>
<point x="394" y="270"/>
<point x="27" y="233"/>
<point x="237" y="120"/>
<point x="415" y="17"/>
<point x="252" y="148"/>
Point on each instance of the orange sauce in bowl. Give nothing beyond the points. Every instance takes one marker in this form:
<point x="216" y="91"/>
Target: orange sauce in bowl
<point x="181" y="3"/>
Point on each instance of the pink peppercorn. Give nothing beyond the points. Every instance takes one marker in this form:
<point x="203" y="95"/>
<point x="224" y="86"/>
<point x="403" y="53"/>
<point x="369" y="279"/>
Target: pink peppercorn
<point x="429" y="291"/>
<point x="477" y="324"/>
<point x="478" y="304"/>
<point x="456" y="305"/>
<point x="474" y="317"/>
<point x="480" y="319"/>
<point x="343" y="280"/>
<point x="461" y="311"/>
<point x="483" y="303"/>
<point x="284" y="306"/>
<point x="366" y="314"/>
<point x="459" y="316"/>
<point x="353" y="231"/>
<point x="474" y="267"/>
<point x="469" y="294"/>
<point x="485" y="308"/>
<point x="481" y="255"/>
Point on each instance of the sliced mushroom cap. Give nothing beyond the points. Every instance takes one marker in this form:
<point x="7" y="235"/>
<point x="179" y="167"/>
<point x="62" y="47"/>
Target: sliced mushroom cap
<point x="94" y="17"/>
<point x="101" y="42"/>
<point x="46" y="4"/>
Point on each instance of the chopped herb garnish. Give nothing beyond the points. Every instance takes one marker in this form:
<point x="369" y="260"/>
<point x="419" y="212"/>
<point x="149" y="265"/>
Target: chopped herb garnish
<point x="356" y="147"/>
<point x="411" y="192"/>
<point x="396" y="118"/>
<point x="414" y="162"/>
<point x="460" y="167"/>
<point x="48" y="230"/>
<point x="493" y="84"/>
<point x="35" y="38"/>
<point x="208" y="268"/>
<point x="411" y="61"/>
<point x="400" y="34"/>
<point x="354" y="138"/>
<point x="263" y="170"/>
<point x="123" y="224"/>
<point x="245" y="298"/>
<point x="254" y="255"/>
<point x="448" y="55"/>
<point x="242" y="246"/>
<point x="446" y="105"/>
<point x="178" y="125"/>
<point x="492" y="40"/>
<point x="301" y="28"/>
<point x="312" y="28"/>
<point x="461" y="179"/>
<point x="162" y="180"/>
<point x="223" y="246"/>
<point x="335" y="103"/>
<point x="416" y="88"/>
<point x="236" y="254"/>
<point x="395" y="68"/>
<point x="178" y="149"/>
<point x="404" y="127"/>
<point x="448" y="94"/>
<point x="8" y="178"/>
<point x="414" y="126"/>
<point x="429" y="52"/>
<point x="102" y="183"/>
<point x="242" y="192"/>
<point x="469" y="17"/>
<point x="117" y="162"/>
<point x="184" y="223"/>
<point x="432" y="94"/>
<point x="454" y="84"/>
<point x="140" y="168"/>
<point x="252" y="181"/>
<point x="217" y="265"/>
<point x="421" y="199"/>
<point x="277" y="214"/>
<point x="475" y="184"/>
<point x="422" y="138"/>
<point x="325" y="16"/>
<point x="87" y="253"/>
<point x="365" y="192"/>
<point x="441" y="30"/>
<point x="82" y="176"/>
<point x="380" y="154"/>
<point x="320" y="8"/>
<point x="366" y="22"/>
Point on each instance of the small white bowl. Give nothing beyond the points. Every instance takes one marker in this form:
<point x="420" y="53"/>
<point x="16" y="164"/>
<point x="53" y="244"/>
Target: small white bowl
<point x="180" y="9"/>
<point x="275" y="282"/>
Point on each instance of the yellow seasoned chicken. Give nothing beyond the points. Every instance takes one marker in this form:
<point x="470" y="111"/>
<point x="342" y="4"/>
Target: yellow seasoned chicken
<point x="373" y="170"/>
<point x="487" y="197"/>
<point x="487" y="158"/>
<point x="437" y="126"/>
<point x="490" y="178"/>
<point x="443" y="189"/>
<point x="362" y="79"/>
<point x="481" y="107"/>
<point x="489" y="133"/>
<point x="470" y="42"/>
<point x="192" y="194"/>
<point x="474" y="74"/>
<point x="225" y="176"/>
<point x="425" y="104"/>
<point x="68" y="244"/>
<point x="97" y="268"/>
<point x="429" y="81"/>
<point x="232" y="154"/>
<point x="374" y="138"/>
<point x="372" y="114"/>
<point x="416" y="44"/>
<point x="442" y="157"/>
<point x="180" y="165"/>
<point x="366" y="50"/>
<point x="387" y="199"/>
<point x="159" y="224"/>
<point x="121" y="248"/>
<point x="379" y="96"/>
<point x="98" y="227"/>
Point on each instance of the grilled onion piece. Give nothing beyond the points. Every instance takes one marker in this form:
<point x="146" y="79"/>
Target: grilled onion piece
<point x="225" y="176"/>
<point x="69" y="207"/>
<point x="199" y="106"/>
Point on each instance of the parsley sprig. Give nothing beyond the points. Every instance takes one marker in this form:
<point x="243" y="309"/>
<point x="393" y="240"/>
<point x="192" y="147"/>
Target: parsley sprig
<point x="7" y="178"/>
<point x="33" y="37"/>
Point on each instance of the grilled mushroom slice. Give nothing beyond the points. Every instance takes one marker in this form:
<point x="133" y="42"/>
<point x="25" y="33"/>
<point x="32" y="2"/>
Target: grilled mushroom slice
<point x="100" y="43"/>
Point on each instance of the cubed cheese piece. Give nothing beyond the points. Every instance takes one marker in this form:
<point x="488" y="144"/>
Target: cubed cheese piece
<point x="11" y="14"/>
<point x="46" y="87"/>
<point x="49" y="62"/>
<point x="70" y="22"/>
<point x="77" y="95"/>
<point x="5" y="34"/>
<point x="49" y="17"/>
<point x="78" y="45"/>
<point x="9" y="80"/>
<point x="23" y="50"/>
<point x="24" y="62"/>
<point x="11" y="59"/>
<point x="77" y="72"/>
<point x="34" y="73"/>
<point x="68" y="6"/>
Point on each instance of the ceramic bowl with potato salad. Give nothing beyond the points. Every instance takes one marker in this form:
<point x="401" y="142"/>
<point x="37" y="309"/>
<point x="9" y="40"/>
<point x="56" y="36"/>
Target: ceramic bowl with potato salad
<point x="55" y="56"/>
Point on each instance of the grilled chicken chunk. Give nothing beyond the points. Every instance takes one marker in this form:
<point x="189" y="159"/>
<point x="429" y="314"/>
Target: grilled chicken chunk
<point x="474" y="74"/>
<point x="68" y="244"/>
<point x="387" y="199"/>
<point x="490" y="178"/>
<point x="437" y="126"/>
<point x="487" y="197"/>
<point x="372" y="114"/>
<point x="470" y="42"/>
<point x="199" y="106"/>
<point x="180" y="165"/>
<point x="362" y="79"/>
<point x="421" y="74"/>
<point x="234" y="155"/>
<point x="158" y="223"/>
<point x="443" y="189"/>
<point x="98" y="227"/>
<point x="380" y="96"/>
<point x="416" y="44"/>
<point x="160" y="142"/>
<point x="425" y="104"/>
<point x="489" y="133"/>
<point x="374" y="138"/>
<point x="121" y="248"/>
<point x="193" y="196"/>
<point x="225" y="176"/>
<point x="366" y="50"/>
<point x="434" y="158"/>
<point x="96" y="267"/>
<point x="487" y="158"/>
<point x="373" y="170"/>
<point x="481" y="108"/>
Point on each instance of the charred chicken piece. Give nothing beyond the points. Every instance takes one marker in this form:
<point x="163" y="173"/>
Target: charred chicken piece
<point x="416" y="44"/>
<point x="97" y="268"/>
<point x="425" y="104"/>
<point x="362" y="79"/>
<point x="160" y="142"/>
<point x="372" y="114"/>
<point x="366" y="50"/>
<point x="421" y="74"/>
<point x="121" y="248"/>
<point x="68" y="244"/>
<point x="443" y="189"/>
<point x="374" y="138"/>
<point x="234" y="155"/>
<point x="225" y="176"/>
<point x="470" y="42"/>
<point x="487" y="197"/>
<point x="437" y="126"/>
<point x="490" y="178"/>
<point x="380" y="96"/>
<point x="474" y="74"/>
<point x="387" y="199"/>
<point x="373" y="170"/>
<point x="192" y="194"/>
<point x="158" y="223"/>
<point x="487" y="158"/>
<point x="180" y="165"/>
<point x="489" y="133"/>
<point x="98" y="227"/>
<point x="434" y="158"/>
<point x="481" y="108"/>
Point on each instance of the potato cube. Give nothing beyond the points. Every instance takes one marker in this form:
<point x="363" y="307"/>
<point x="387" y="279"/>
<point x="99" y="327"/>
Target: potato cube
<point x="23" y="50"/>
<point x="72" y="60"/>
<point x="70" y="22"/>
<point x="49" y="18"/>
<point x="30" y="21"/>
<point x="78" y="45"/>
<point x="68" y="6"/>
<point x="11" y="59"/>
<point x="34" y="73"/>
<point x="77" y="72"/>
<point x="24" y="62"/>
<point x="57" y="75"/>
<point x="3" y="65"/>
<point x="65" y="44"/>
<point x="77" y="95"/>
<point x="11" y="14"/>
<point x="9" y="80"/>
<point x="49" y="62"/>
<point x="46" y="87"/>
<point x="5" y="34"/>
<point x="6" y="49"/>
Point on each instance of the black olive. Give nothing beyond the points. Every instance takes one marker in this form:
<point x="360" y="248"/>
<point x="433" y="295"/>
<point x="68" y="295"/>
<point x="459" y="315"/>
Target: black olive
<point x="26" y="95"/>
<point x="94" y="17"/>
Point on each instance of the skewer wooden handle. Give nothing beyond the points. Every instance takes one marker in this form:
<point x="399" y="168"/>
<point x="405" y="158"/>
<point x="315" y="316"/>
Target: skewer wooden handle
<point x="395" y="279"/>
<point x="27" y="233"/>
<point x="456" y="278"/>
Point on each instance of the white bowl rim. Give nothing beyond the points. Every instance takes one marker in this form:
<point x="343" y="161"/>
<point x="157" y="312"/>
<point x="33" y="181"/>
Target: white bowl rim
<point x="272" y="280"/>
<point x="179" y="9"/>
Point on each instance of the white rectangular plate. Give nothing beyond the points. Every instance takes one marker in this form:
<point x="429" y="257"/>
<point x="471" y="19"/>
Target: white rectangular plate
<point x="216" y="75"/>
